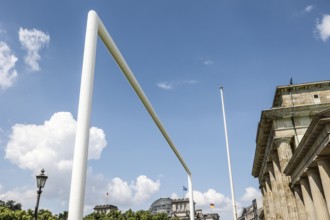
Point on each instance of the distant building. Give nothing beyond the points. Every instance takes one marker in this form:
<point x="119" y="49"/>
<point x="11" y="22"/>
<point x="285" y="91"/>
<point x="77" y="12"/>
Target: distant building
<point x="252" y="212"/>
<point x="292" y="153"/>
<point x="179" y="208"/>
<point x="105" y="208"/>
<point x="162" y="205"/>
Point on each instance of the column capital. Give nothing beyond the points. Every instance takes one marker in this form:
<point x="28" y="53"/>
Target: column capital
<point x="279" y="140"/>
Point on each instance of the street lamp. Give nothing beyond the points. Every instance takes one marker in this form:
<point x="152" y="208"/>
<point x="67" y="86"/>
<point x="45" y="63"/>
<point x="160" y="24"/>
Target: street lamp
<point x="41" y="180"/>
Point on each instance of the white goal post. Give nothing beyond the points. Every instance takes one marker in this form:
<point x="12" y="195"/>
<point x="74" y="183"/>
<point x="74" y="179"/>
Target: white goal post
<point x="94" y="29"/>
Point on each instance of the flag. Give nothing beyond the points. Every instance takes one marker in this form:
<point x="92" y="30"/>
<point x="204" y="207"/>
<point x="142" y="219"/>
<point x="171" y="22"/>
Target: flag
<point x="211" y="205"/>
<point x="184" y="188"/>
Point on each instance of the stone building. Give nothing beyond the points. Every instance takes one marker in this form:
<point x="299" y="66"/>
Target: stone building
<point x="162" y="205"/>
<point x="179" y="209"/>
<point x="105" y="208"/>
<point x="291" y="158"/>
<point x="252" y="212"/>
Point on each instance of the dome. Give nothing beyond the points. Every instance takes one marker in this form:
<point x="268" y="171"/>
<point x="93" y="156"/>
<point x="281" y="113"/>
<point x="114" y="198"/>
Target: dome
<point x="161" y="205"/>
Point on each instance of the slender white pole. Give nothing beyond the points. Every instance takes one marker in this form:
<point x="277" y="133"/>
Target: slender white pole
<point x="191" y="199"/>
<point x="78" y="178"/>
<point x="228" y="157"/>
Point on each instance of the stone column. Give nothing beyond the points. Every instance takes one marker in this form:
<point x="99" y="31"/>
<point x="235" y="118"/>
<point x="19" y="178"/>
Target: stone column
<point x="308" y="201"/>
<point x="265" y="198"/>
<point x="299" y="202"/>
<point x="317" y="194"/>
<point x="270" y="199"/>
<point x="276" y="194"/>
<point x="284" y="154"/>
<point x="284" y="151"/>
<point x="282" y="205"/>
<point x="324" y="169"/>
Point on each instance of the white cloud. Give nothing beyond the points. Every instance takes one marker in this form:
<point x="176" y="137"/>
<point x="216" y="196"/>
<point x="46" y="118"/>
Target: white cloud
<point x="309" y="8"/>
<point x="174" y="196"/>
<point x="137" y="192"/>
<point x="172" y="85"/>
<point x="223" y="204"/>
<point x="165" y="85"/>
<point x="205" y="61"/>
<point x="8" y="72"/>
<point x="33" y="41"/>
<point x="208" y="62"/>
<point x="21" y="195"/>
<point x="251" y="194"/>
<point x="144" y="188"/>
<point x="323" y="28"/>
<point x="51" y="144"/>
<point x="211" y="196"/>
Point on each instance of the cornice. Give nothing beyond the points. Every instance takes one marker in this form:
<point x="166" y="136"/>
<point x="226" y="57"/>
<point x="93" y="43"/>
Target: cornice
<point x="265" y="127"/>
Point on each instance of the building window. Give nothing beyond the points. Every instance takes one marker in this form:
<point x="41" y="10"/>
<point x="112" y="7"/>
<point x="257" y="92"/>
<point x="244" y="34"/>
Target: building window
<point x="317" y="99"/>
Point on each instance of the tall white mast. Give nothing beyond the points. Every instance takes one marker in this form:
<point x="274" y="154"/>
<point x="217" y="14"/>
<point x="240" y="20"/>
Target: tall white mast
<point x="228" y="157"/>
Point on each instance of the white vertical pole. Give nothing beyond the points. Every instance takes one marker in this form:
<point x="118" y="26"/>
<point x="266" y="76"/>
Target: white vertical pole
<point x="78" y="179"/>
<point x="191" y="198"/>
<point x="228" y="157"/>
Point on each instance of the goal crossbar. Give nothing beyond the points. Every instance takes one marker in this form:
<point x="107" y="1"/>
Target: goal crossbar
<point x="96" y="28"/>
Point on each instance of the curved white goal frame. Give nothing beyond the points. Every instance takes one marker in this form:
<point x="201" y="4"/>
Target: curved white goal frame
<point x="94" y="29"/>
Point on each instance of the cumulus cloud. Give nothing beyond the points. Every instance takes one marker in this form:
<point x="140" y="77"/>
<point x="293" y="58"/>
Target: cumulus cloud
<point x="172" y="85"/>
<point x="135" y="193"/>
<point x="250" y="194"/>
<point x="323" y="27"/>
<point x="32" y="146"/>
<point x="220" y="201"/>
<point x="50" y="145"/>
<point x="19" y="195"/>
<point x="33" y="41"/>
<point x="8" y="73"/>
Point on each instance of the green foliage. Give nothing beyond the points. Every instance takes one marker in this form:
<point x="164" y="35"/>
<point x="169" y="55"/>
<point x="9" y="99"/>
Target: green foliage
<point x="11" y="204"/>
<point x="128" y="215"/>
<point x="10" y="210"/>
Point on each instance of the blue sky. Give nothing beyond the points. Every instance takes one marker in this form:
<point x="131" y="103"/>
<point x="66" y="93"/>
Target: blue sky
<point x="181" y="52"/>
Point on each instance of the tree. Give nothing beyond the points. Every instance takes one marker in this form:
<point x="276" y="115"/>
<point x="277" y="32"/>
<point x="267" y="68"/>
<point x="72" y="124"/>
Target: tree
<point x="11" y="204"/>
<point x="63" y="216"/>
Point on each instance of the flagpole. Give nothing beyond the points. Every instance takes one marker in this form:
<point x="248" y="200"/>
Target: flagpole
<point x="228" y="157"/>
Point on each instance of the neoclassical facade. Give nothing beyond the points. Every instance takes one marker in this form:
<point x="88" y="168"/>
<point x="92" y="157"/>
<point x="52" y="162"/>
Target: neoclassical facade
<point x="292" y="156"/>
